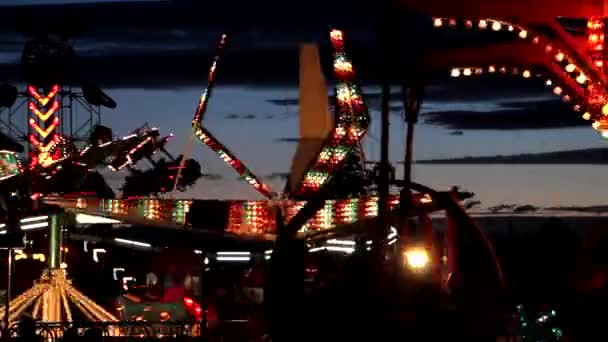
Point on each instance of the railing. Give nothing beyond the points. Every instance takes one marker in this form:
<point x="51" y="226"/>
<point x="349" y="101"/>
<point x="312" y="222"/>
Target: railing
<point x="228" y="330"/>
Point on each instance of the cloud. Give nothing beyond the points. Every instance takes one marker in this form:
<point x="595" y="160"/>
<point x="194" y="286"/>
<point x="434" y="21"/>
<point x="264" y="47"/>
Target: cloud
<point x="171" y="43"/>
<point x="588" y="156"/>
<point x="235" y="116"/>
<point x="529" y="115"/>
<point x="288" y="140"/>
<point x="277" y="175"/>
<point x="596" y="209"/>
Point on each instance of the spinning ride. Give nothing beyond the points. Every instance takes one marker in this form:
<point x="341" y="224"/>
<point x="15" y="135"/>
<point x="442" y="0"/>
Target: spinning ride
<point x="305" y="213"/>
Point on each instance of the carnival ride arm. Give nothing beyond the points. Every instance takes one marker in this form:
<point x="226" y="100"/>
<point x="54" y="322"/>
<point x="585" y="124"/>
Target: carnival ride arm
<point x="569" y="73"/>
<point x="212" y="142"/>
<point x="352" y="120"/>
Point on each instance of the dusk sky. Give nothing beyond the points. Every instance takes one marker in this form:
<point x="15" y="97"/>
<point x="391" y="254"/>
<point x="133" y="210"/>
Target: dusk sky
<point x="254" y="140"/>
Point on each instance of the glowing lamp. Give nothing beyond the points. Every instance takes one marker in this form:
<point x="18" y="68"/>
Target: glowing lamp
<point x="483" y="24"/>
<point x="417" y="258"/>
<point x="559" y="56"/>
<point x="496" y="26"/>
<point x="557" y="90"/>
<point x="570" y="67"/>
<point x="523" y="34"/>
<point x="526" y="74"/>
<point x="437" y="22"/>
<point x="455" y="73"/>
<point x="581" y="79"/>
<point x="605" y="109"/>
<point x="467" y="72"/>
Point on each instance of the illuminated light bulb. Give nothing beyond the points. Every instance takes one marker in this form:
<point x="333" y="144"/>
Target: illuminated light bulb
<point x="496" y="26"/>
<point x="455" y="72"/>
<point x="567" y="98"/>
<point x="576" y="108"/>
<point x="587" y="116"/>
<point x="605" y="109"/>
<point x="581" y="79"/>
<point x="557" y="90"/>
<point x="559" y="57"/>
<point x="570" y="67"/>
<point x="535" y="40"/>
<point x="595" y="124"/>
<point x="491" y="68"/>
<point x="510" y="28"/>
<point x="478" y="71"/>
<point x="548" y="48"/>
<point x="594" y="38"/>
<point x="549" y="83"/>
<point x="503" y="70"/>
<point x="468" y="24"/>
<point x="599" y="64"/>
<point x="526" y="74"/>
<point x="437" y="22"/>
<point x="483" y="24"/>
<point x="417" y="259"/>
<point x="467" y="72"/>
<point x="523" y="34"/>
<point x="452" y="22"/>
<point x="605" y="134"/>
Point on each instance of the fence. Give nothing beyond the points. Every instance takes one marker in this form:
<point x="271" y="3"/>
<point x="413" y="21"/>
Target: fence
<point x="224" y="331"/>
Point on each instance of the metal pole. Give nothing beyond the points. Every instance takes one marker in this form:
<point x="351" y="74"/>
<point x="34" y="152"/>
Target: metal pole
<point x="384" y="174"/>
<point x="411" y="103"/>
<point x="8" y="290"/>
<point x="54" y="242"/>
<point x="204" y="305"/>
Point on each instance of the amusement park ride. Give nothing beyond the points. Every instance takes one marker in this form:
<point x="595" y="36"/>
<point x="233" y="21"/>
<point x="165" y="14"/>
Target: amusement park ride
<point x="239" y="219"/>
<point x="569" y="53"/>
<point x="540" y="46"/>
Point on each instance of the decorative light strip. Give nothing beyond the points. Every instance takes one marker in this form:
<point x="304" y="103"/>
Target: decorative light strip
<point x="44" y="157"/>
<point x="43" y="100"/>
<point x="244" y="217"/>
<point x="48" y="114"/>
<point x="133" y="243"/>
<point x="352" y="120"/>
<point x="595" y="41"/>
<point x="133" y="151"/>
<point x="592" y="91"/>
<point x="46" y="132"/>
<point x="525" y="73"/>
<point x="204" y="99"/>
<point x="208" y="139"/>
<point x="43" y="148"/>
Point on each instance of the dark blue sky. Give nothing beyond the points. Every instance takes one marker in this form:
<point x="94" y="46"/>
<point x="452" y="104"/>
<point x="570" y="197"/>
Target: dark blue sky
<point x="253" y="140"/>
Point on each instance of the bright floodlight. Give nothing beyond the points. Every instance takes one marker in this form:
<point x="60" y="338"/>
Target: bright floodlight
<point x="417" y="258"/>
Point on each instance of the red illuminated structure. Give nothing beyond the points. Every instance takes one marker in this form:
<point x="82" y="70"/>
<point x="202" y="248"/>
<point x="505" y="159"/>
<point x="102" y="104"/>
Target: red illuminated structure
<point x="43" y="123"/>
<point x="575" y="65"/>
<point x="571" y="72"/>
